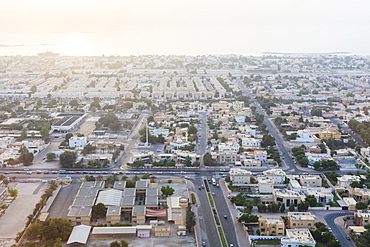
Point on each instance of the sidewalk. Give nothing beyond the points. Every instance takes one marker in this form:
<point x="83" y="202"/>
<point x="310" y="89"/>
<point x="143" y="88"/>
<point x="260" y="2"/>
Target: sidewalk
<point x="240" y="234"/>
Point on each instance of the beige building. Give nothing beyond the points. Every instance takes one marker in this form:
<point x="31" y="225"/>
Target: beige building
<point x="300" y="220"/>
<point x="287" y="197"/>
<point x="271" y="226"/>
<point x="297" y="238"/>
<point x="359" y="194"/>
<point x="362" y="217"/>
<point x="310" y="180"/>
<point x="176" y="210"/>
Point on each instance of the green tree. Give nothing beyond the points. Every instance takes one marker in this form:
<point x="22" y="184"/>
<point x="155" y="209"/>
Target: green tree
<point x="23" y="133"/>
<point x="145" y="176"/>
<point x="45" y="130"/>
<point x="291" y="208"/>
<point x="13" y="193"/>
<point x="55" y="228"/>
<point x="115" y="244"/>
<point x="267" y="140"/>
<point x="67" y="159"/>
<point x="192" y="130"/>
<point x="124" y="242"/>
<point x="190" y="220"/>
<point x="311" y="200"/>
<point x="316" y="112"/>
<point x="50" y="156"/>
<point x="167" y="190"/>
<point x="98" y="211"/>
<point x="361" y="205"/>
<point x="26" y="158"/>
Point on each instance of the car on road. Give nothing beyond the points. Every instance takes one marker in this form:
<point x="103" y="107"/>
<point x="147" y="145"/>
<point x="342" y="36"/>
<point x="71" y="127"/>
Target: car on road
<point x="348" y="238"/>
<point x="204" y="243"/>
<point x="231" y="245"/>
<point x="225" y="216"/>
<point x="200" y="188"/>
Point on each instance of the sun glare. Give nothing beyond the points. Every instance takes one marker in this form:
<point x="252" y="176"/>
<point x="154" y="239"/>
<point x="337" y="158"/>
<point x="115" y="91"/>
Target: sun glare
<point x="73" y="44"/>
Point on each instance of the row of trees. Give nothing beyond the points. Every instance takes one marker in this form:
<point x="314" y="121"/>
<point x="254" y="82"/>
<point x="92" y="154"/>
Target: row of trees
<point x="361" y="128"/>
<point x="109" y="120"/>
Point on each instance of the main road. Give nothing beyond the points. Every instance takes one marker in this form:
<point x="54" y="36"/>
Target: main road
<point x="337" y="230"/>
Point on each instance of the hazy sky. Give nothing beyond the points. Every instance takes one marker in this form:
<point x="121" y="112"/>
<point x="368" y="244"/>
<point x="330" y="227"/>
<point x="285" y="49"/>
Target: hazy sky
<point x="186" y="26"/>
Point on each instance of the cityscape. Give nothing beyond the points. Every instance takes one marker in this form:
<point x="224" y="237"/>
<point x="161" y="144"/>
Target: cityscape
<point x="193" y="123"/>
<point x="213" y="150"/>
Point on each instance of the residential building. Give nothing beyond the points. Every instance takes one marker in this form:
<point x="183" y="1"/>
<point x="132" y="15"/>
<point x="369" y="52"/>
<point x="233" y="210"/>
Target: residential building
<point x="362" y="217"/>
<point x="240" y="176"/>
<point x="294" y="186"/>
<point x="260" y="155"/>
<point x="300" y="220"/>
<point x="251" y="143"/>
<point x="359" y="194"/>
<point x="310" y="180"/>
<point x="346" y="180"/>
<point x="322" y="195"/>
<point x="75" y="141"/>
<point x="287" y="197"/>
<point x="297" y="238"/>
<point x="277" y="175"/>
<point x="271" y="226"/>
<point x="265" y="185"/>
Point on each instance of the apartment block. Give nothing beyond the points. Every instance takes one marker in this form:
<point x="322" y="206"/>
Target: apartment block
<point x="271" y="226"/>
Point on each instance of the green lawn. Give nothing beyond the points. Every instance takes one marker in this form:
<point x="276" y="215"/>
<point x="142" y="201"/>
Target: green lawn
<point x="268" y="242"/>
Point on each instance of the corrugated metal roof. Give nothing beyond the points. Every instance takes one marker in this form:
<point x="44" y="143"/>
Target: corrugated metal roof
<point x="79" y="234"/>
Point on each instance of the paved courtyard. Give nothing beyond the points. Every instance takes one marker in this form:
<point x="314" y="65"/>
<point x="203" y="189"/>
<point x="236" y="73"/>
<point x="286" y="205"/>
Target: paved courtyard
<point x="15" y="217"/>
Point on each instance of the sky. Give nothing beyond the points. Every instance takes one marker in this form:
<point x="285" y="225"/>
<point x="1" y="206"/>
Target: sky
<point x="189" y="27"/>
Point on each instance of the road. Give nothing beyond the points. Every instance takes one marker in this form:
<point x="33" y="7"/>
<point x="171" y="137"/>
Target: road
<point x="223" y="209"/>
<point x="202" y="137"/>
<point x="347" y="130"/>
<point x="209" y="232"/>
<point x="337" y="230"/>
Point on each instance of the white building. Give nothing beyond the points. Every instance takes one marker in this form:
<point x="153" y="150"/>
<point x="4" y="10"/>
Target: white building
<point x="304" y="136"/>
<point x="265" y="185"/>
<point x="240" y="176"/>
<point x="277" y="175"/>
<point x="294" y="186"/>
<point x="297" y="237"/>
<point x="260" y="155"/>
<point x="310" y="180"/>
<point x="75" y="141"/>
<point x="322" y="195"/>
<point x="251" y="143"/>
<point x="346" y="180"/>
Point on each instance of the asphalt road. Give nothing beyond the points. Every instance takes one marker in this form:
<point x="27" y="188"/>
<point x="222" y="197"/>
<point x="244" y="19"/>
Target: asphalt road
<point x="337" y="230"/>
<point x="223" y="209"/>
<point x="202" y="136"/>
<point x="209" y="232"/>
<point x="59" y="208"/>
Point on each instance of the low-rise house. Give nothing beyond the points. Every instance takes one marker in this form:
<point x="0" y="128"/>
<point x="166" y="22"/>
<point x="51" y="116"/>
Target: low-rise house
<point x="297" y="238"/>
<point x="362" y="217"/>
<point x="240" y="176"/>
<point x="346" y="180"/>
<point x="310" y="180"/>
<point x="271" y="226"/>
<point x="277" y="175"/>
<point x="294" y="186"/>
<point x="260" y="155"/>
<point x="288" y="197"/>
<point x="75" y="141"/>
<point x="322" y="195"/>
<point x="359" y="194"/>
<point x="265" y="185"/>
<point x="300" y="220"/>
